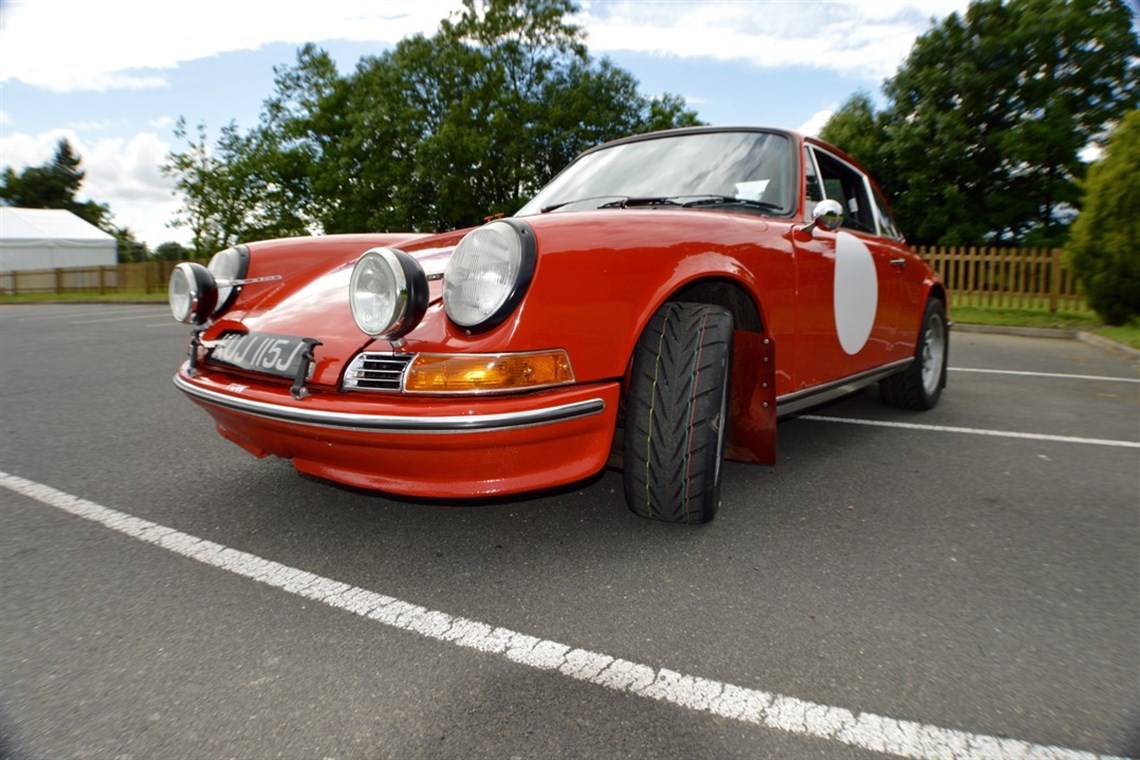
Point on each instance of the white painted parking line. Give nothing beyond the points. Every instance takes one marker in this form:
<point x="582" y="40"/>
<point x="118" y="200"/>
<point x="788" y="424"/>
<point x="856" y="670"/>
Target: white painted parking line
<point x="1060" y="375"/>
<point x="869" y="731"/>
<point x="974" y="431"/>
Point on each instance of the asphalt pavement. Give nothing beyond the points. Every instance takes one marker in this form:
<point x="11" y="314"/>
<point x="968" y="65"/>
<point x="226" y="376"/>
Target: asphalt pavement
<point x="963" y="582"/>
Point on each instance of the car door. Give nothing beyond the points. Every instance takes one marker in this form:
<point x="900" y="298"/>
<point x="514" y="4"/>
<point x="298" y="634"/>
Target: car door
<point x="902" y="308"/>
<point x="848" y="279"/>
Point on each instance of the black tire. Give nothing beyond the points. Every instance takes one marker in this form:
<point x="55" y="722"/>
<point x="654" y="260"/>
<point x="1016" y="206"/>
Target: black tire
<point x="676" y="412"/>
<point x="920" y="385"/>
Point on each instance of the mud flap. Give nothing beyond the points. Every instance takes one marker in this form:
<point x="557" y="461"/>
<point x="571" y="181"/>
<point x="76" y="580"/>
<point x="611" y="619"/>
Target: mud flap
<point x="752" y="399"/>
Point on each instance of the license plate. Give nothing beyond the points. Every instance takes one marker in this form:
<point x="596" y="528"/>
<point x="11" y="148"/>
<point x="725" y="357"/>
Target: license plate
<point x="271" y="354"/>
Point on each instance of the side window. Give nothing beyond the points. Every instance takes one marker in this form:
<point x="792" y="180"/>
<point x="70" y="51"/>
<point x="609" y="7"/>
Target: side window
<point x="843" y="183"/>
<point x="886" y="223"/>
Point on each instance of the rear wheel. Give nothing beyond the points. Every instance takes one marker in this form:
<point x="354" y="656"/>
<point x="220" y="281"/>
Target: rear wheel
<point x="676" y="413"/>
<point x="920" y="385"/>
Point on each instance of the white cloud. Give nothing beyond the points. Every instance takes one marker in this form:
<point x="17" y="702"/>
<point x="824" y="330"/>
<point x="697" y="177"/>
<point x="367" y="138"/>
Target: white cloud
<point x="123" y="173"/>
<point x="128" y="43"/>
<point x="817" y="121"/>
<point x="859" y="38"/>
<point x="864" y="40"/>
<point x="90" y="126"/>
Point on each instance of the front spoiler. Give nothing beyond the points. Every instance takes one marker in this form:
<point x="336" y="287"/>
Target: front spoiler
<point x="439" y="448"/>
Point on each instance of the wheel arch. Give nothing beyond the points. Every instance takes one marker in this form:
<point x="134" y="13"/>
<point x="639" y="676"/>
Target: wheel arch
<point x="721" y="291"/>
<point x="938" y="290"/>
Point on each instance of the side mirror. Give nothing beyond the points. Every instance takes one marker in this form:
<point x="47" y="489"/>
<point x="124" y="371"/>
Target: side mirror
<point x="827" y="214"/>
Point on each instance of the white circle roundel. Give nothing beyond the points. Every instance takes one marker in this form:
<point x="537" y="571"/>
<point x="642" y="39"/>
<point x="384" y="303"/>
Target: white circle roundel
<point x="856" y="292"/>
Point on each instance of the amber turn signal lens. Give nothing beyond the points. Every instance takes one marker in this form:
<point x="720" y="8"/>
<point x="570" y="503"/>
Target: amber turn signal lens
<point x="487" y="373"/>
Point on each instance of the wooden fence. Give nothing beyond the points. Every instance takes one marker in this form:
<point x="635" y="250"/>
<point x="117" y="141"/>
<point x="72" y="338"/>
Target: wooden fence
<point x="1025" y="278"/>
<point x="140" y="277"/>
<point x="1019" y="278"/>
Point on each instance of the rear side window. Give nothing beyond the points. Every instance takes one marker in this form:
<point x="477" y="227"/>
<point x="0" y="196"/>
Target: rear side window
<point x="886" y="223"/>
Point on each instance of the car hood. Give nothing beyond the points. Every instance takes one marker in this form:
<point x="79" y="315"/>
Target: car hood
<point x="304" y="287"/>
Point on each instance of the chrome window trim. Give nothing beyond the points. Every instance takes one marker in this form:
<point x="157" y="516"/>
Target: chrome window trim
<point x="388" y="423"/>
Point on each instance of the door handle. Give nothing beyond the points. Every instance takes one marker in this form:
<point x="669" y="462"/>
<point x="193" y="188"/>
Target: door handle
<point x="900" y="263"/>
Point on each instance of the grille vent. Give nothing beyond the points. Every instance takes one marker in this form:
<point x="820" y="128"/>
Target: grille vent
<point x="376" y="372"/>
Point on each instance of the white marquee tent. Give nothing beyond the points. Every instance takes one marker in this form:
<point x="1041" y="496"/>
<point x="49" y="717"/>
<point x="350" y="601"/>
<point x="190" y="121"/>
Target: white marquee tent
<point x="34" y="238"/>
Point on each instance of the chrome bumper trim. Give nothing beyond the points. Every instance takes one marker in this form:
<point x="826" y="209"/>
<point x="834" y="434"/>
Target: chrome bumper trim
<point x="387" y="423"/>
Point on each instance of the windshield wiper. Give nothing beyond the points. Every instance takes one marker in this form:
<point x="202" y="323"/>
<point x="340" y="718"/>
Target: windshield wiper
<point x="641" y="201"/>
<point x="725" y="200"/>
<point x="625" y="201"/>
<point x="556" y="206"/>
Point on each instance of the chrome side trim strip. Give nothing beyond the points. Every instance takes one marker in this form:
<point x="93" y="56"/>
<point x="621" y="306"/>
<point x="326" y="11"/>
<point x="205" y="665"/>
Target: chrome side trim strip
<point x="387" y="423"/>
<point x="821" y="394"/>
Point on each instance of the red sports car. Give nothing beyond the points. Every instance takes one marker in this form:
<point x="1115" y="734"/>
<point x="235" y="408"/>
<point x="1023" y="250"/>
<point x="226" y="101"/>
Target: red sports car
<point x="659" y="304"/>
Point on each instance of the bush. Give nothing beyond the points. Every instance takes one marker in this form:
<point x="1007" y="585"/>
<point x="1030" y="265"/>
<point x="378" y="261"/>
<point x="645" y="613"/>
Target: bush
<point x="1104" y="244"/>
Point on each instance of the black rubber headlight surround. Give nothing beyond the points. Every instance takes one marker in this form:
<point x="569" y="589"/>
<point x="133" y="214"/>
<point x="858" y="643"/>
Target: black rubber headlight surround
<point x="489" y="274"/>
<point x="193" y="293"/>
<point x="388" y="293"/>
<point x="227" y="267"/>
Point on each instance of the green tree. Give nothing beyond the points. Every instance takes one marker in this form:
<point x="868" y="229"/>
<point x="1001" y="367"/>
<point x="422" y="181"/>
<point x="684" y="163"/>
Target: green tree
<point x="172" y="251"/>
<point x="54" y="184"/>
<point x="300" y="128"/>
<point x="1104" y="247"/>
<point x="130" y="247"/>
<point x="220" y="203"/>
<point x="442" y="131"/>
<point x="479" y="116"/>
<point x="856" y="129"/>
<point x="436" y="133"/>
<point x="986" y="119"/>
<point x="590" y="102"/>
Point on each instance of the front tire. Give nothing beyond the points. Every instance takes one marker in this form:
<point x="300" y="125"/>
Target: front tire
<point x="676" y="413"/>
<point x="920" y="385"/>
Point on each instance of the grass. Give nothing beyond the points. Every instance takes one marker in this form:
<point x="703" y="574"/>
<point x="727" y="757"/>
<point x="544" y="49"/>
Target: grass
<point x="1126" y="335"/>
<point x="1081" y="321"/>
<point x="963" y="313"/>
<point x="986" y="315"/>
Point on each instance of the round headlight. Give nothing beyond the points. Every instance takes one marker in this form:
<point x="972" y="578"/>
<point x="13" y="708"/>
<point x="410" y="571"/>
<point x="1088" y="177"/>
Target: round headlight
<point x="488" y="274"/>
<point x="192" y="293"/>
<point x="227" y="266"/>
<point x="388" y="293"/>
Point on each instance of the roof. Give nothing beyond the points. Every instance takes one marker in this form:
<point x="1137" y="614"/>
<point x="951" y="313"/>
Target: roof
<point x="42" y="227"/>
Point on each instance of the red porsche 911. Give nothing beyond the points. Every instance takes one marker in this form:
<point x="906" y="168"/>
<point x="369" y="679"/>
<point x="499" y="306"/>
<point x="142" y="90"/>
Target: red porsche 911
<point x="659" y="304"/>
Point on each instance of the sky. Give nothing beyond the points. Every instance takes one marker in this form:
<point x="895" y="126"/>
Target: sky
<point x="113" y="76"/>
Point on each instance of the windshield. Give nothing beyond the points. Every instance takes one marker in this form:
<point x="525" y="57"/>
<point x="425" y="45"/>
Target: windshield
<point x="747" y="169"/>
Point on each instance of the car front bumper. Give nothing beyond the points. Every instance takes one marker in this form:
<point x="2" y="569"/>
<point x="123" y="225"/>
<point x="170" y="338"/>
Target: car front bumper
<point x="435" y="447"/>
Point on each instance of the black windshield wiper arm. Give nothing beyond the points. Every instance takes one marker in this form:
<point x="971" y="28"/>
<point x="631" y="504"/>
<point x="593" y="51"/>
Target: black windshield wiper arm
<point x="556" y="206"/>
<point x="715" y="200"/>
<point x="624" y="201"/>
<point x="641" y="201"/>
